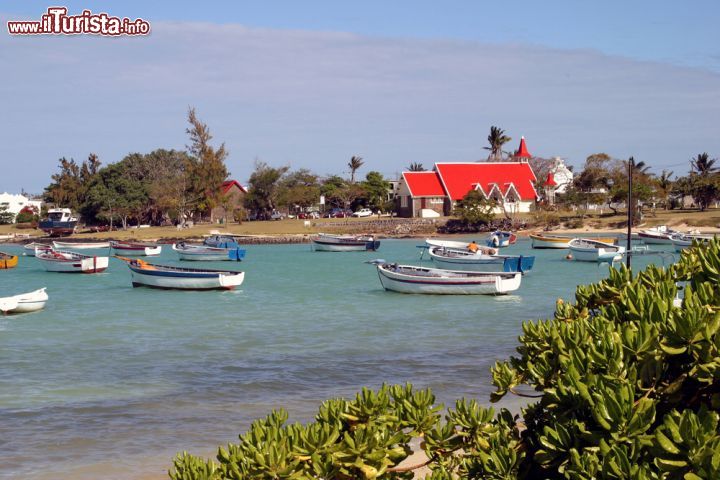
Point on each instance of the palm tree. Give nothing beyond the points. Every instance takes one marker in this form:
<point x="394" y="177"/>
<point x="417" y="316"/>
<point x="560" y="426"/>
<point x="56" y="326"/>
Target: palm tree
<point x="497" y="139"/>
<point x="640" y="168"/>
<point x="664" y="184"/>
<point x="416" y="167"/>
<point x="703" y="164"/>
<point x="355" y="163"/>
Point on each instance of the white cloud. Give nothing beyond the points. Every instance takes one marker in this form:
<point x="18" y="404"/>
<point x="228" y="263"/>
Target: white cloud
<point x="313" y="99"/>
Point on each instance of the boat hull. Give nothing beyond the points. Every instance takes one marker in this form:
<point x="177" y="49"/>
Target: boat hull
<point x="8" y="261"/>
<point x="136" y="250"/>
<point x="449" y="259"/>
<point x="80" y="245"/>
<point x="69" y="262"/>
<point x="208" y="254"/>
<point x="418" y="280"/>
<point x="542" y="241"/>
<point x="25" y="302"/>
<point x="594" y="251"/>
<point x="57" y="229"/>
<point x="333" y="243"/>
<point x="185" y="280"/>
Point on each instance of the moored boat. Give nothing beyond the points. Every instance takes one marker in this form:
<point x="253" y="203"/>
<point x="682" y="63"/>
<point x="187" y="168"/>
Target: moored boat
<point x="661" y="235"/>
<point x="500" y="239"/>
<point x="204" y="253"/>
<point x="458" y="245"/>
<point x="30" y="248"/>
<point x="80" y="245"/>
<point x="59" y="222"/>
<point x="591" y="250"/>
<point x="412" y="279"/>
<point x="152" y="275"/>
<point x="220" y="241"/>
<point x="543" y="240"/>
<point x="454" y="259"/>
<point x="136" y="249"/>
<point x="70" y="262"/>
<point x="682" y="241"/>
<point x="8" y="260"/>
<point x="344" y="243"/>
<point x="24" y="302"/>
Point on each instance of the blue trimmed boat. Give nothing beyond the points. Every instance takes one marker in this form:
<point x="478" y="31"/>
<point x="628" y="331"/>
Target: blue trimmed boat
<point x="455" y="259"/>
<point x="205" y="253"/>
<point x="344" y="243"/>
<point x="152" y="275"/>
<point x="412" y="279"/>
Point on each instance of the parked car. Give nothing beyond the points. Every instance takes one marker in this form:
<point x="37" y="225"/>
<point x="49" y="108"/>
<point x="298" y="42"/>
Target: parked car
<point x="338" y="213"/>
<point x="277" y="215"/>
<point x="363" y="212"/>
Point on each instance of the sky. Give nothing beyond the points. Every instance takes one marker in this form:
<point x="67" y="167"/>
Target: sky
<point x="311" y="83"/>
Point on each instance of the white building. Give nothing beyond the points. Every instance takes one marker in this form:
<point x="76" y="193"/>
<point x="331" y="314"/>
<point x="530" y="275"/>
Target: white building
<point x="15" y="203"/>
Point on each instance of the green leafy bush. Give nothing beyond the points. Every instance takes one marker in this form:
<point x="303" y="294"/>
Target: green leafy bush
<point x="626" y="380"/>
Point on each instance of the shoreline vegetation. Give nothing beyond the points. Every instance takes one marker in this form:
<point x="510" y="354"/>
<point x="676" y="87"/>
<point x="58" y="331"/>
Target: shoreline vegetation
<point x="301" y="231"/>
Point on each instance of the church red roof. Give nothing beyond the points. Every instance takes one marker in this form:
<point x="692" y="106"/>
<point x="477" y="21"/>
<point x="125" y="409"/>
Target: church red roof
<point x="228" y="184"/>
<point x="522" y="151"/>
<point x="550" y="182"/>
<point x="459" y="178"/>
<point x="424" y="184"/>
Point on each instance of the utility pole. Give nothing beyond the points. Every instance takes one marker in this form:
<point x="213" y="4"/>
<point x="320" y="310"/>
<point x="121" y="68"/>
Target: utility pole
<point x="628" y="251"/>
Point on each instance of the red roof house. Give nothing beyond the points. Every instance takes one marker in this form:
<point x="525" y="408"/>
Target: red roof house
<point x="509" y="182"/>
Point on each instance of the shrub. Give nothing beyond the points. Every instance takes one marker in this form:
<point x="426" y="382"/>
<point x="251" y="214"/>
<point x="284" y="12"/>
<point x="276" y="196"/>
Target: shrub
<point x="626" y="380"/>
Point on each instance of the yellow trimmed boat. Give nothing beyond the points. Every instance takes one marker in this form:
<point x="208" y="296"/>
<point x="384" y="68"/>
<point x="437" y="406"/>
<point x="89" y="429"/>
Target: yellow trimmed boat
<point x="8" y="261"/>
<point x="543" y="240"/>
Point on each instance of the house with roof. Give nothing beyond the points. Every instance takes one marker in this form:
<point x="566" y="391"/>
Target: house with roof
<point x="510" y="183"/>
<point x="232" y="195"/>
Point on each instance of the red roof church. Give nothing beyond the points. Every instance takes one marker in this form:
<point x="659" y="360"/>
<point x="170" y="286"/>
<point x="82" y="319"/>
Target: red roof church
<point x="510" y="183"/>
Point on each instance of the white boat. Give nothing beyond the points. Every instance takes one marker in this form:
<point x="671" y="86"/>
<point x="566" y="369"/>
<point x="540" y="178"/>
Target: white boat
<point x="412" y="279"/>
<point x="204" y="253"/>
<point x="458" y="245"/>
<point x="80" y="245"/>
<point x="590" y="250"/>
<point x="136" y="249"/>
<point x="25" y="302"/>
<point x="682" y="241"/>
<point x="344" y="243"/>
<point x="454" y="259"/>
<point x="146" y="274"/>
<point x="29" y="248"/>
<point x="70" y="262"/>
<point x="657" y="235"/>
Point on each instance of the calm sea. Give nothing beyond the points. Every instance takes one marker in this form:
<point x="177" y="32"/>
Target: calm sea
<point x="110" y="382"/>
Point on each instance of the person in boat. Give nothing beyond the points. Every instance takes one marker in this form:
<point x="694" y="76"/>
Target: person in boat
<point x="473" y="247"/>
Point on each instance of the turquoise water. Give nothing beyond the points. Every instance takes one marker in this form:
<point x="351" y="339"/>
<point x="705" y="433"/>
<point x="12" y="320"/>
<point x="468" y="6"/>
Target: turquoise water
<point x="110" y="381"/>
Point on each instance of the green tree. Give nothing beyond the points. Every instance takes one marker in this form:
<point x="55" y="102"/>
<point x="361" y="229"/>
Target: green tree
<point x="496" y="139"/>
<point x="376" y="190"/>
<point x="66" y="188"/>
<point x="416" y="167"/>
<point x="663" y="186"/>
<point x="263" y="189"/>
<point x="114" y="192"/>
<point x="300" y="188"/>
<point x="354" y="164"/>
<point x="207" y="170"/>
<point x="475" y="209"/>
<point x="339" y="192"/>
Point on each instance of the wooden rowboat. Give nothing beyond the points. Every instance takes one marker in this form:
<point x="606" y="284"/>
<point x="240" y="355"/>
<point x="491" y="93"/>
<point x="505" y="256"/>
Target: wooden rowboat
<point x="453" y="259"/>
<point x="80" y="245"/>
<point x="70" y="262"/>
<point x="24" y="302"/>
<point x="344" y="243"/>
<point x="136" y="249"/>
<point x="412" y="279"/>
<point x="591" y="250"/>
<point x="153" y="275"/>
<point x="8" y="261"/>
<point x="204" y="253"/>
